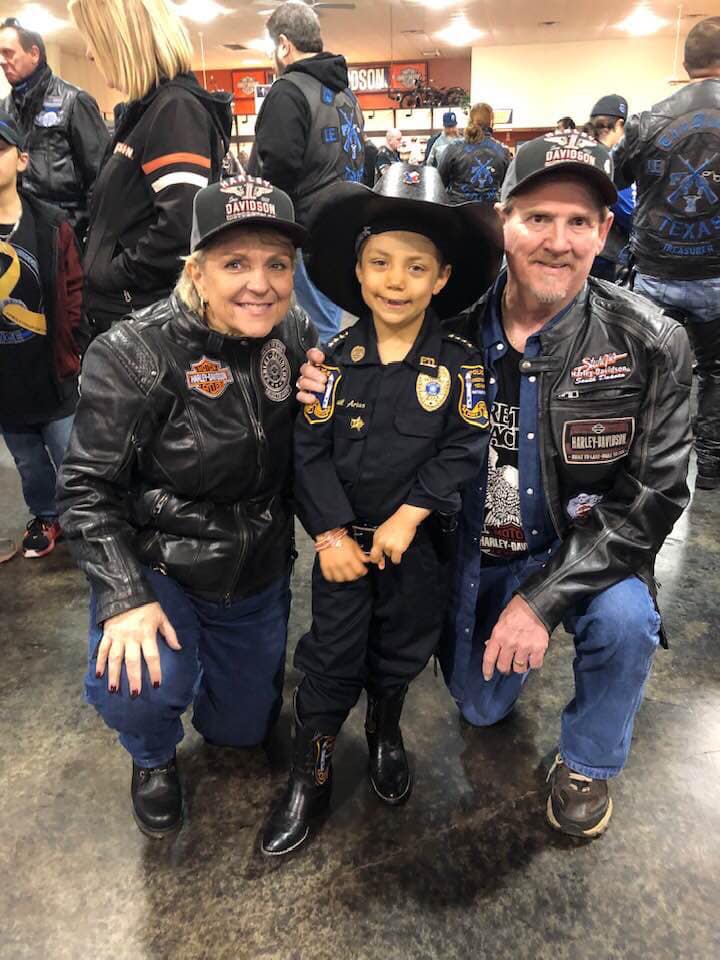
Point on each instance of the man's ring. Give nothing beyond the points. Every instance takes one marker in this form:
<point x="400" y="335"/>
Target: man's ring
<point x="520" y="663"/>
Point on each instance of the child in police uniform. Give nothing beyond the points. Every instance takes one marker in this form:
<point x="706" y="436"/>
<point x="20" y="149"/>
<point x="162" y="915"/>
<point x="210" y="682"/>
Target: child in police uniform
<point x="380" y="459"/>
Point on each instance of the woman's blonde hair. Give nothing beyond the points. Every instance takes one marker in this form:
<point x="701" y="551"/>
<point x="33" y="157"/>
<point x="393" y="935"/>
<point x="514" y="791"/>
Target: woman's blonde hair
<point x="479" y="122"/>
<point x="136" y="43"/>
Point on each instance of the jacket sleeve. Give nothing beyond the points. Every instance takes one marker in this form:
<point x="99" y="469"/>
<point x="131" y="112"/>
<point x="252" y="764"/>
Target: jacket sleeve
<point x="177" y="161"/>
<point x="281" y="137"/>
<point x="461" y="448"/>
<point x="625" y="154"/>
<point x="74" y="331"/>
<point x="624" y="532"/>
<point x="445" y="164"/>
<point x="321" y="501"/>
<point x="89" y="137"/>
<point x="95" y="477"/>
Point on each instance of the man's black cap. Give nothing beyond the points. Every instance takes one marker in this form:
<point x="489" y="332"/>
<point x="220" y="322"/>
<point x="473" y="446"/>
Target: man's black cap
<point x="572" y="152"/>
<point x="10" y="132"/>
<point x="241" y="201"/>
<point x="611" y="106"/>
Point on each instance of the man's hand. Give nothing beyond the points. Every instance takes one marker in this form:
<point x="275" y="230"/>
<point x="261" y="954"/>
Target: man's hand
<point x="311" y="380"/>
<point x="393" y="537"/>
<point x="518" y="642"/>
<point x="343" y="563"/>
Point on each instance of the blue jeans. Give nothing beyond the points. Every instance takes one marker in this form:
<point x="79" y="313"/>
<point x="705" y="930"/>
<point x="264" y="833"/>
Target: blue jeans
<point x="231" y="668"/>
<point x="616" y="633"/>
<point x="699" y="300"/>
<point x="325" y="314"/>
<point x="38" y="452"/>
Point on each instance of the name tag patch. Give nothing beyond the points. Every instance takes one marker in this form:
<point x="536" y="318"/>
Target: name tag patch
<point x="597" y="441"/>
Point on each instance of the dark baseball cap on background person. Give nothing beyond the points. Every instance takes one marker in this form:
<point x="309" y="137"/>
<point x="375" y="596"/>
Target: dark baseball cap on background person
<point x="10" y="132"/>
<point x="242" y="201"/>
<point x="611" y="106"/>
<point x="572" y="152"/>
<point x="449" y="119"/>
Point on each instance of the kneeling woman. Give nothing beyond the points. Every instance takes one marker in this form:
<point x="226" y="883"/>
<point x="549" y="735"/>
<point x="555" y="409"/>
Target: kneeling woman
<point x="175" y="495"/>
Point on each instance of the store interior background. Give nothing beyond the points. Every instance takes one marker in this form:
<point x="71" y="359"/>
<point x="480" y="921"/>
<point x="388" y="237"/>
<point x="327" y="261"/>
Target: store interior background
<point x="539" y="61"/>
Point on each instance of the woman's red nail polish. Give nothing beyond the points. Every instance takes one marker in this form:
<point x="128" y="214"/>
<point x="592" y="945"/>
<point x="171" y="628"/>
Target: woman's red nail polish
<point x="113" y="688"/>
<point x="98" y="674"/>
<point x="156" y="684"/>
<point x="135" y="693"/>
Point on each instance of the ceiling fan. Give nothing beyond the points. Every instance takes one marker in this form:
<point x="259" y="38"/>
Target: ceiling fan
<point x="317" y="5"/>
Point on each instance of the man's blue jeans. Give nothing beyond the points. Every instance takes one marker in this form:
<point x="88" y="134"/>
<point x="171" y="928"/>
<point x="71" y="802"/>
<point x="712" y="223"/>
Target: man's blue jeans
<point x="616" y="633"/>
<point x="38" y="452"/>
<point x="325" y="314"/>
<point x="231" y="668"/>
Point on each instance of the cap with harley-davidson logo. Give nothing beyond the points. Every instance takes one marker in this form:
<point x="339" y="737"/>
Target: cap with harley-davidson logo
<point x="572" y="152"/>
<point x="612" y="105"/>
<point x="241" y="201"/>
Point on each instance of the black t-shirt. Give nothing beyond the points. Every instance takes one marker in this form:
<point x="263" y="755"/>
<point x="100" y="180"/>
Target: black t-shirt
<point x="27" y="389"/>
<point x="502" y="537"/>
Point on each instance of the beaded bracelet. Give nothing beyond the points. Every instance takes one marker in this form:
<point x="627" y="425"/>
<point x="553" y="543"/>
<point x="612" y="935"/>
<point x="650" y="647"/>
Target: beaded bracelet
<point x="332" y="538"/>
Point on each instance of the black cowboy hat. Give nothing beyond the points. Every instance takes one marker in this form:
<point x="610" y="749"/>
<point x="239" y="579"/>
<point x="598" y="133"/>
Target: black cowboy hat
<point x="411" y="198"/>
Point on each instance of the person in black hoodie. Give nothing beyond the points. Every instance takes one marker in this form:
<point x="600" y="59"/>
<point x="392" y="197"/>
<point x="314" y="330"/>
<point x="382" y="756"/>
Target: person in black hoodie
<point x="308" y="134"/>
<point x="170" y="140"/>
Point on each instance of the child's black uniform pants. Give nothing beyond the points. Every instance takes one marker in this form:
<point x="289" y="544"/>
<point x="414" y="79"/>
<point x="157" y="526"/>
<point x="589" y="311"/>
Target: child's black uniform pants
<point x="377" y="632"/>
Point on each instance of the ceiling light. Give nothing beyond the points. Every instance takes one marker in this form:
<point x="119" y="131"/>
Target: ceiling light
<point x="39" y="20"/>
<point x="201" y="11"/>
<point x="264" y="44"/>
<point x="460" y="33"/>
<point x="642" y="21"/>
<point x="438" y="4"/>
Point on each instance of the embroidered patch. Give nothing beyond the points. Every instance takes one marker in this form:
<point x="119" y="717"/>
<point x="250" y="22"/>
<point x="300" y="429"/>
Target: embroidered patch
<point x="472" y="404"/>
<point x="608" y="366"/>
<point x="597" y="441"/>
<point x="432" y="392"/>
<point x="125" y="150"/>
<point x="275" y="371"/>
<point x="579" y="507"/>
<point x="324" y="407"/>
<point x="208" y="377"/>
<point x="357" y="423"/>
<point x="411" y="177"/>
<point x="357" y="354"/>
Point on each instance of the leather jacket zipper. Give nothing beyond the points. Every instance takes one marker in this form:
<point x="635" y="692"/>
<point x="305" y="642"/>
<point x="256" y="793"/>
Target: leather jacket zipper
<point x="254" y="408"/>
<point x="611" y="393"/>
<point x="242" y="553"/>
<point x="543" y="464"/>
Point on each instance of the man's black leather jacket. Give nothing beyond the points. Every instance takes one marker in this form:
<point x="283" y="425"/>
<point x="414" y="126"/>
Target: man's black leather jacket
<point x="672" y="153"/>
<point x="614" y="421"/>
<point x="181" y="457"/>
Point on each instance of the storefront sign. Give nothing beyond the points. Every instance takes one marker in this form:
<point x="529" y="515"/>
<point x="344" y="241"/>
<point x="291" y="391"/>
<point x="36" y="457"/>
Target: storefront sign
<point x="379" y="77"/>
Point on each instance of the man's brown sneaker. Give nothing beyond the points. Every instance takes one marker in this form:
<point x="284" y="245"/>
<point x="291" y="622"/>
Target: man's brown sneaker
<point x="577" y="805"/>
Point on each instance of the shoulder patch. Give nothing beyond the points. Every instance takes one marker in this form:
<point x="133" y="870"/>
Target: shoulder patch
<point x="461" y="340"/>
<point x="331" y="344"/>
<point x="323" y="407"/>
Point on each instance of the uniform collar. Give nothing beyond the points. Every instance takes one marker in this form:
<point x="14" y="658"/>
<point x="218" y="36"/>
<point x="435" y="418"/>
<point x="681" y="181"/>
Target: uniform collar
<point x="424" y="355"/>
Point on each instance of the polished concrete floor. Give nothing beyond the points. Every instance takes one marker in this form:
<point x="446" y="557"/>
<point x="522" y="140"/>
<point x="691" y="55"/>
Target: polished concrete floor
<point x="468" y="869"/>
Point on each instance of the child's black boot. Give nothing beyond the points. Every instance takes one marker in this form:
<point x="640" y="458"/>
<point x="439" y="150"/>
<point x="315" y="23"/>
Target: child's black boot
<point x="389" y="771"/>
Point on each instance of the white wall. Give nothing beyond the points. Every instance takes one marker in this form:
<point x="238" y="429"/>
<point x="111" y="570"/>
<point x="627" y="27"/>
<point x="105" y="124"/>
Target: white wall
<point x="544" y="82"/>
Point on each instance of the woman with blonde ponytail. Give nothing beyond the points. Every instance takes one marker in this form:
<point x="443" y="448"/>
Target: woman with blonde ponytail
<point x="474" y="167"/>
<point x="170" y="140"/>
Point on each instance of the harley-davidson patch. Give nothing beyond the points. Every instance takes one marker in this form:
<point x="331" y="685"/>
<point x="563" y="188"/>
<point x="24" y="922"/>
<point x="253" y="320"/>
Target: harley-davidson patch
<point x="597" y="441"/>
<point x="275" y="371"/>
<point x="608" y="366"/>
<point x="208" y="377"/>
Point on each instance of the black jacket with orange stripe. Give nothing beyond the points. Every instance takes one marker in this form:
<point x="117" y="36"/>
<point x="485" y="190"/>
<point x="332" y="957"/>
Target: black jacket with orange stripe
<point x="166" y="147"/>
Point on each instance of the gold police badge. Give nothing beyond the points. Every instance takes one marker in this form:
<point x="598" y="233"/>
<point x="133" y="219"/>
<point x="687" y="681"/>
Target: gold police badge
<point x="432" y="392"/>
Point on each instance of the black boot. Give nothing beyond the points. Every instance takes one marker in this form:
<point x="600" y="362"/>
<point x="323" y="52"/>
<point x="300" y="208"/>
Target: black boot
<point x="388" y="767"/>
<point x="157" y="799"/>
<point x="307" y="794"/>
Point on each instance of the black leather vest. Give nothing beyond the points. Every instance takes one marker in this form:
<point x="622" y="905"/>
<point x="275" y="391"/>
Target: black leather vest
<point x="335" y="149"/>
<point x="676" y="230"/>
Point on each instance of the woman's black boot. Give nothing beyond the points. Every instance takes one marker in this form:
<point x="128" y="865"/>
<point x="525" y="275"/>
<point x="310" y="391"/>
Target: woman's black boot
<point x="389" y="771"/>
<point x="307" y="794"/>
<point x="157" y="799"/>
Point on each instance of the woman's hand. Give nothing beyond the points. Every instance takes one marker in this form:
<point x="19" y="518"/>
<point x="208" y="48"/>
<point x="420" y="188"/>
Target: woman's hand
<point x="129" y="637"/>
<point x="311" y="380"/>
<point x="343" y="563"/>
<point x="393" y="537"/>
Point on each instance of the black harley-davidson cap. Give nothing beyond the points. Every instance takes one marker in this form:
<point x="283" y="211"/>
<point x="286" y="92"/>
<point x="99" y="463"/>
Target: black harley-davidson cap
<point x="241" y="201"/>
<point x="573" y="152"/>
<point x="612" y="105"/>
<point x="10" y="132"/>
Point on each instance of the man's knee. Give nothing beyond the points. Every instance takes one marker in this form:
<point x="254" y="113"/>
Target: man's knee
<point x="623" y="614"/>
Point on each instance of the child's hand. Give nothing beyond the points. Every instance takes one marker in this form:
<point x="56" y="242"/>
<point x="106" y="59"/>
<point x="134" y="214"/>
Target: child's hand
<point x="393" y="537"/>
<point x="343" y="563"/>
